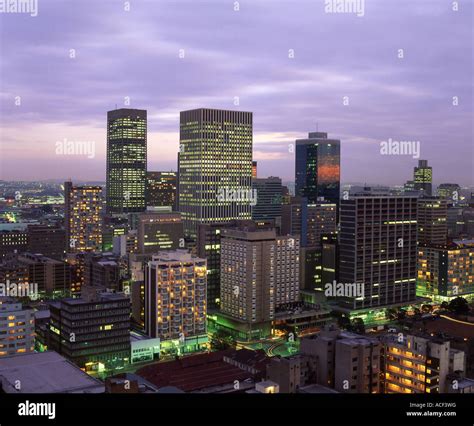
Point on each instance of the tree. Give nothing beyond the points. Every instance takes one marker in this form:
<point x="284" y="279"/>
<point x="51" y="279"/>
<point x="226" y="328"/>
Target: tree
<point x="358" y="326"/>
<point x="459" y="306"/>
<point x="221" y="340"/>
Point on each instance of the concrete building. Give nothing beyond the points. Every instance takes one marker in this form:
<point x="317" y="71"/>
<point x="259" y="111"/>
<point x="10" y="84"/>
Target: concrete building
<point x="286" y="372"/>
<point x="432" y="216"/>
<point x="259" y="272"/>
<point x="83" y="217"/>
<point x="446" y="273"/>
<point x="175" y="300"/>
<point x="418" y="364"/>
<point x="17" y="328"/>
<point x="92" y="331"/>
<point x="378" y="250"/>
<point x="344" y="361"/>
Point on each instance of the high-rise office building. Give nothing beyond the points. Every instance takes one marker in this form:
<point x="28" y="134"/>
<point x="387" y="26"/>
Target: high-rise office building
<point x="378" y="250"/>
<point x="92" y="329"/>
<point x="311" y="222"/>
<point x="423" y="177"/>
<point x="269" y="198"/>
<point x="254" y="169"/>
<point x="209" y="248"/>
<point x="159" y="231"/>
<point x="445" y="273"/>
<point x="161" y="189"/>
<point x="215" y="167"/>
<point x="317" y="168"/>
<point x="432" y="220"/>
<point x="175" y="298"/>
<point x="17" y="328"/>
<point x="83" y="217"/>
<point x="126" y="160"/>
<point x="259" y="273"/>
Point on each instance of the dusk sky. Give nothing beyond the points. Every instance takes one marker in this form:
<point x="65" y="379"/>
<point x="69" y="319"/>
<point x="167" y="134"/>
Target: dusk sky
<point x="244" y="54"/>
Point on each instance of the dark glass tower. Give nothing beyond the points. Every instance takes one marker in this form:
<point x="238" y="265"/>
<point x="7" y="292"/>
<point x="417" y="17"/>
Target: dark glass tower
<point x="317" y="168"/>
<point x="126" y="160"/>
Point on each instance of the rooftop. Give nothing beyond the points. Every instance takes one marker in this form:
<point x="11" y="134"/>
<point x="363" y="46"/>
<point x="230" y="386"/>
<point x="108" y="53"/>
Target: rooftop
<point x="45" y="372"/>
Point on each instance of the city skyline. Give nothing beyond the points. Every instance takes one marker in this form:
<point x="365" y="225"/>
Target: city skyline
<point x="257" y="60"/>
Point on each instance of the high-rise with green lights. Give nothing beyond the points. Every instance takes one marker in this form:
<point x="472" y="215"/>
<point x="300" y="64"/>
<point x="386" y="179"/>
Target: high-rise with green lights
<point x="215" y="167"/>
<point x="126" y="160"/>
<point x="423" y="177"/>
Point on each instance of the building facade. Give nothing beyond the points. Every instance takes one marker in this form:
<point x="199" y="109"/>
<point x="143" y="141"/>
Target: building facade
<point x="126" y="160"/>
<point x="83" y="217"/>
<point x="215" y="167"/>
<point x="378" y="248"/>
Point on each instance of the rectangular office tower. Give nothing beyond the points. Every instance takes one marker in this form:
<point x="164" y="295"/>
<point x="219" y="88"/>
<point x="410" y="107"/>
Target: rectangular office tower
<point x="94" y="329"/>
<point x="215" y="167"/>
<point x="175" y="298"/>
<point x="432" y="221"/>
<point x="378" y="251"/>
<point x="83" y="217"/>
<point x="317" y="168"/>
<point x="126" y="160"/>
<point x="259" y="273"/>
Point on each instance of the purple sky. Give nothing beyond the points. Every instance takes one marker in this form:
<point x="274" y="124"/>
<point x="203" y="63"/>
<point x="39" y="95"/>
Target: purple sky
<point x="242" y="54"/>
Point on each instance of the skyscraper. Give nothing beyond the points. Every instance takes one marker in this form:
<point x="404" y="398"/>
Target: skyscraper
<point x="317" y="167"/>
<point x="83" y="219"/>
<point x="432" y="216"/>
<point x="215" y="167"/>
<point x="269" y="196"/>
<point x="378" y="249"/>
<point x="423" y="177"/>
<point x="126" y="160"/>
<point x="161" y="189"/>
